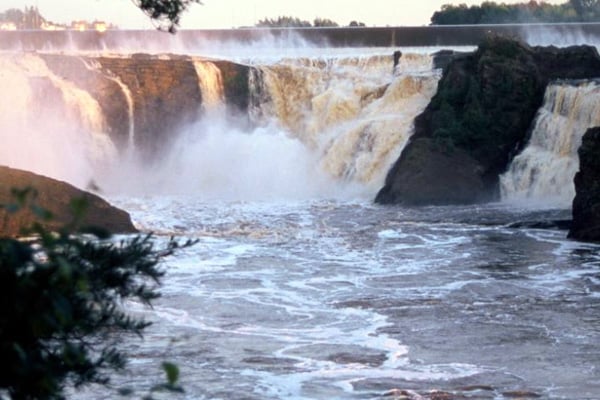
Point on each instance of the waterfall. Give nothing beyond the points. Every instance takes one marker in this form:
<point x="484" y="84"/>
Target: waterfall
<point x="211" y="84"/>
<point x="319" y="125"/>
<point x="544" y="171"/>
<point x="49" y="125"/>
<point x="356" y="113"/>
<point x="94" y="65"/>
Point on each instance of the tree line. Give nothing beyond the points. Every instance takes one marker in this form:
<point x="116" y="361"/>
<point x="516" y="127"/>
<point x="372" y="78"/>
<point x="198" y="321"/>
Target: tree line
<point x="529" y="12"/>
<point x="28" y="18"/>
<point x="295" y="22"/>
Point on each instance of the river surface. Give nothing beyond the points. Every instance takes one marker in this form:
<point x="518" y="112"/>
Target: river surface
<point x="348" y="300"/>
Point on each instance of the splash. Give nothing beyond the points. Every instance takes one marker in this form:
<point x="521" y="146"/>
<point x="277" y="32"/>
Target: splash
<point x="216" y="160"/>
<point x="320" y="127"/>
<point x="544" y="171"/>
<point x="49" y="125"/>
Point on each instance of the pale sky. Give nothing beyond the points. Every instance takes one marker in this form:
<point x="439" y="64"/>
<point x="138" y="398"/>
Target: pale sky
<point x="235" y="13"/>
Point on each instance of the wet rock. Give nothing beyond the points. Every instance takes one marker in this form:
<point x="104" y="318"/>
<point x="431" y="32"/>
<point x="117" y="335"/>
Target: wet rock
<point x="478" y="121"/>
<point x="401" y="394"/>
<point x="373" y="360"/>
<point x="521" y="394"/>
<point x="55" y="196"/>
<point x="442" y="58"/>
<point x="586" y="205"/>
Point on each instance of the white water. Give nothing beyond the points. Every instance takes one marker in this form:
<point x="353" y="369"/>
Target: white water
<point x="211" y="84"/>
<point x="49" y="125"/>
<point x="544" y="171"/>
<point x="355" y="113"/>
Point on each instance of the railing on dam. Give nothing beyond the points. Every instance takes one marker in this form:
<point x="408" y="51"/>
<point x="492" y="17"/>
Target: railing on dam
<point x="441" y="35"/>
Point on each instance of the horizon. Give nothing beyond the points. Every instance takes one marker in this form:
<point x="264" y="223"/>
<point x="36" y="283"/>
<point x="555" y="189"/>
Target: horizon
<point x="227" y="14"/>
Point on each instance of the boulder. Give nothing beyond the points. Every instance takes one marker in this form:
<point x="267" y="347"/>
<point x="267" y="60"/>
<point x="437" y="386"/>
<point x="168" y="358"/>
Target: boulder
<point x="54" y="196"/>
<point x="479" y="120"/>
<point x="586" y="205"/>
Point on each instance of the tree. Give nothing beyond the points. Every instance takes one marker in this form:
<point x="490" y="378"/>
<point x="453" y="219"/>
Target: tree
<point x="60" y="307"/>
<point x="527" y="12"/>
<point x="324" y="22"/>
<point x="283" y="22"/>
<point x="356" y="24"/>
<point x="166" y="13"/>
<point x="586" y="9"/>
<point x="29" y="18"/>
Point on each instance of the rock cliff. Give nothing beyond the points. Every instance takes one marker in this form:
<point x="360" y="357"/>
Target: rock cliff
<point x="586" y="205"/>
<point x="146" y="98"/>
<point x="55" y="196"/>
<point x="478" y="120"/>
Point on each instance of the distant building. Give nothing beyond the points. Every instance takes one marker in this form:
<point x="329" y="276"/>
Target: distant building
<point x="49" y="26"/>
<point x="80" y="26"/>
<point x="8" y="26"/>
<point x="100" y="26"/>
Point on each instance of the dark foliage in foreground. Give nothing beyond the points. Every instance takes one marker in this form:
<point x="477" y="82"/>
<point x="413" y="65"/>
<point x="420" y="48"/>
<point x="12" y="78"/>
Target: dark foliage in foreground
<point x="61" y="314"/>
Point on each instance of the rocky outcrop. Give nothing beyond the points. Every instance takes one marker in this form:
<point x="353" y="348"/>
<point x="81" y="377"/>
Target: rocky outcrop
<point x="56" y="197"/>
<point x="478" y="120"/>
<point x="586" y="205"/>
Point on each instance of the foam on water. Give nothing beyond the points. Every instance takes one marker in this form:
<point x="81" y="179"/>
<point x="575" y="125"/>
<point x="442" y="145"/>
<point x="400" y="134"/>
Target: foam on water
<point x="338" y="299"/>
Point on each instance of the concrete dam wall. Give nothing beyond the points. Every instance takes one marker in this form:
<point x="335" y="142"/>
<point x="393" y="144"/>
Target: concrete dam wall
<point x="450" y="35"/>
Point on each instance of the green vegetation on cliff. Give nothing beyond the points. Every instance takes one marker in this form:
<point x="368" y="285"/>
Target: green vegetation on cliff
<point x="485" y="106"/>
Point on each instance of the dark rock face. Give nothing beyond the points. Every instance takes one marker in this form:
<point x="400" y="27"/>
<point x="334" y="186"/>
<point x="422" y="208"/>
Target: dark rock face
<point x="478" y="120"/>
<point x="586" y="205"/>
<point x="55" y="196"/>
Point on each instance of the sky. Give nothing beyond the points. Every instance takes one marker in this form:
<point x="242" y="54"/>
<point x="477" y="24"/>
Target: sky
<point x="236" y="13"/>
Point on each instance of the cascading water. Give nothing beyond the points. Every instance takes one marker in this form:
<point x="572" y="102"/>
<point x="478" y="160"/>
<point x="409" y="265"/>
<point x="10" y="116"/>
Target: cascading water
<point x="355" y="112"/>
<point x="50" y="126"/>
<point x="211" y="84"/>
<point x="324" y="128"/>
<point x="544" y="171"/>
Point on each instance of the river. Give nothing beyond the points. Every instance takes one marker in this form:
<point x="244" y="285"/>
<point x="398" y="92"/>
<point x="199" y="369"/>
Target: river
<point x="325" y="299"/>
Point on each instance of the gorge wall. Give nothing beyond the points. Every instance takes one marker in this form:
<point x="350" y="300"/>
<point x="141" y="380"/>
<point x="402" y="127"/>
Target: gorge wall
<point x="586" y="205"/>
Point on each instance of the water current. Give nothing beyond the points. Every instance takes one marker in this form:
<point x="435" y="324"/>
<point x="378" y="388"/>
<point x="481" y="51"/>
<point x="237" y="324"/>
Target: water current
<point x="348" y="300"/>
